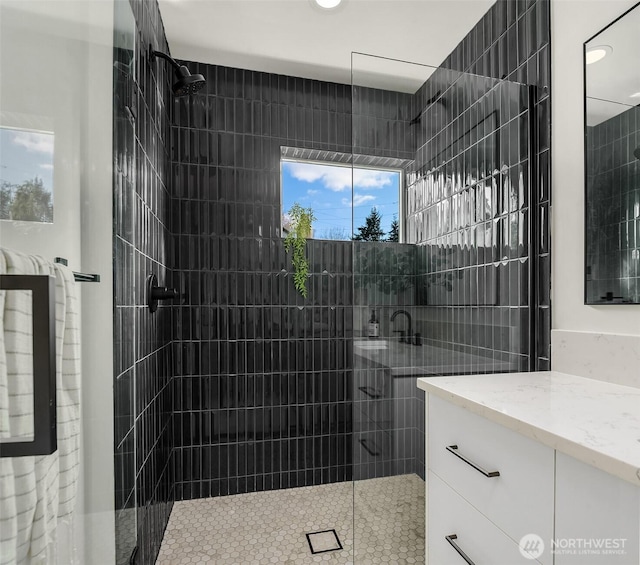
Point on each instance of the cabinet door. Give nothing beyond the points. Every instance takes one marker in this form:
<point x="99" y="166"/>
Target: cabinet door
<point x="597" y="516"/>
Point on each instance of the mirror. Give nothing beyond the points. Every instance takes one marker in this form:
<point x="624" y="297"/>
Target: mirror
<point x="612" y="162"/>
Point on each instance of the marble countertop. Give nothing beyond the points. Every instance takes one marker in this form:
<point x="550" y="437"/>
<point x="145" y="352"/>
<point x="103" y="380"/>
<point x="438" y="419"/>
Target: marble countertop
<point x="593" y="421"/>
<point x="405" y="360"/>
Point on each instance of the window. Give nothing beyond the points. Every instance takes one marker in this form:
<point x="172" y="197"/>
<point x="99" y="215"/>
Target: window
<point x="325" y="187"/>
<point x="26" y="175"/>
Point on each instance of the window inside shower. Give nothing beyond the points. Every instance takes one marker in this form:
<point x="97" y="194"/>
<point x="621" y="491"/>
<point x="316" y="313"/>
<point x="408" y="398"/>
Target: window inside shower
<point x="343" y="199"/>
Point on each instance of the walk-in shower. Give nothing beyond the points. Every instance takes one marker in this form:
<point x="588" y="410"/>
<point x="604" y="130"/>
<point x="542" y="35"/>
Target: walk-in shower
<point x="268" y="424"/>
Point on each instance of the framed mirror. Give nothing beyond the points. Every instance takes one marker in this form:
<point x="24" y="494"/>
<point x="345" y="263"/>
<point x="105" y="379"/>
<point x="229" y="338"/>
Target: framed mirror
<point x="612" y="162"/>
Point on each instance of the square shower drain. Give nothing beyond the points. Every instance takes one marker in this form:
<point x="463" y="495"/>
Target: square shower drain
<point x="321" y="542"/>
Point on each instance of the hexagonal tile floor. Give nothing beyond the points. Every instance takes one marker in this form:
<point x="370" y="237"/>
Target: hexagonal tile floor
<point x="270" y="527"/>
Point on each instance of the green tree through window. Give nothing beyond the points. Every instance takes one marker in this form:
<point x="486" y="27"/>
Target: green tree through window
<point x="371" y="230"/>
<point x="29" y="202"/>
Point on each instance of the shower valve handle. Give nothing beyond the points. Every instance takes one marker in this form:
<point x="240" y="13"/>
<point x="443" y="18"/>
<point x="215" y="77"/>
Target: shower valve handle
<point x="156" y="293"/>
<point x="163" y="293"/>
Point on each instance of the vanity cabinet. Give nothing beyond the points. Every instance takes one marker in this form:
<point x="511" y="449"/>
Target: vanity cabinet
<point x="497" y="484"/>
<point x="490" y="486"/>
<point x="382" y="409"/>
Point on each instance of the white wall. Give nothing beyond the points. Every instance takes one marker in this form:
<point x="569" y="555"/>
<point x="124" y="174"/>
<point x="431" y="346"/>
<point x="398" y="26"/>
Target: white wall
<point x="572" y="23"/>
<point x="56" y="60"/>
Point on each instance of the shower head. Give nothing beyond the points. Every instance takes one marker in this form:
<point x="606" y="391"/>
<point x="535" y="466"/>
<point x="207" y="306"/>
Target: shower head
<point x="186" y="83"/>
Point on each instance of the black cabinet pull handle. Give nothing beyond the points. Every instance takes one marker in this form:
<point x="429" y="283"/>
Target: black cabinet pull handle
<point x="454" y="449"/>
<point x="364" y="443"/>
<point x="370" y="391"/>
<point x="455" y="546"/>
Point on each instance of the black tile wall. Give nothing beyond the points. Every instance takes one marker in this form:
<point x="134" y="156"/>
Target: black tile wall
<point x="142" y="341"/>
<point x="263" y="388"/>
<point x="468" y="208"/>
<point x="382" y="123"/>
<point x="512" y="42"/>
<point x="613" y="208"/>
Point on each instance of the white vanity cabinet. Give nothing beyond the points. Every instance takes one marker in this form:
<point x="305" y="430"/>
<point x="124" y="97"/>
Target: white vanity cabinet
<point x="500" y="487"/>
<point x="532" y="468"/>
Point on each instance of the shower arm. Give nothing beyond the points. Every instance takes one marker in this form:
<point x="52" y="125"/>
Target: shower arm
<point x="153" y="54"/>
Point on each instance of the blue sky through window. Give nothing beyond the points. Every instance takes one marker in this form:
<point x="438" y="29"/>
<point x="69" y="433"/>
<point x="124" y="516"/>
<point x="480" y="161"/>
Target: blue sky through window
<point x="327" y="190"/>
<point x="25" y="155"/>
<point x="26" y="175"/>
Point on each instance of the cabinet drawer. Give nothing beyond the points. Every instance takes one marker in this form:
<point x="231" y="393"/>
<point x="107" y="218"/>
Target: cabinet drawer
<point x="483" y="543"/>
<point x="520" y="500"/>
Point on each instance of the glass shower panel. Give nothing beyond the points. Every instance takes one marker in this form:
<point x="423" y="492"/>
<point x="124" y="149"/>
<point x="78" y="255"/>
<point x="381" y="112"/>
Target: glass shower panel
<point x="452" y="295"/>
<point x="124" y="50"/>
<point x="56" y="61"/>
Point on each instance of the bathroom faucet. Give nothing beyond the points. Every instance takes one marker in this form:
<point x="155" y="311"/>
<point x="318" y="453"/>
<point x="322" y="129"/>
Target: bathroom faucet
<point x="408" y="331"/>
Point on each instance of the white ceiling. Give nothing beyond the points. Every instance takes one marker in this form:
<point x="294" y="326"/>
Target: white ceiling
<point x="296" y="38"/>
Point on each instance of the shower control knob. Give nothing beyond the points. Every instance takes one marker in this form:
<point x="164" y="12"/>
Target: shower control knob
<point x="156" y="293"/>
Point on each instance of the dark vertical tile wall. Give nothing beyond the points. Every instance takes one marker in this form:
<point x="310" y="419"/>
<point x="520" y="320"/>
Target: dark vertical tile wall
<point x="263" y="387"/>
<point x="381" y="123"/>
<point x="468" y="208"/>
<point x="613" y="209"/>
<point x="142" y="341"/>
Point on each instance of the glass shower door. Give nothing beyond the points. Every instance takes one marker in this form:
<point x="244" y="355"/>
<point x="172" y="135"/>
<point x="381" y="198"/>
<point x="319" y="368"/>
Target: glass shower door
<point x="454" y="293"/>
<point x="56" y="419"/>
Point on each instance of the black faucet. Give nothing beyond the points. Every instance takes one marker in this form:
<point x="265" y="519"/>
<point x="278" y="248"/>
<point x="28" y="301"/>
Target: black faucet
<point x="402" y="333"/>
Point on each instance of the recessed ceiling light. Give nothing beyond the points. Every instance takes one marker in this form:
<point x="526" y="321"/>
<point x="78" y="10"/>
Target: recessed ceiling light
<point x="595" y="54"/>
<point x="328" y="4"/>
<point x="635" y="95"/>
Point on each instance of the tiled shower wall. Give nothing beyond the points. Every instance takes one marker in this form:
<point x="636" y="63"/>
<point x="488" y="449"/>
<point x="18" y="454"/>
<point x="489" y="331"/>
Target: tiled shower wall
<point x="263" y="376"/>
<point x="142" y="341"/>
<point x="613" y="195"/>
<point x="470" y="191"/>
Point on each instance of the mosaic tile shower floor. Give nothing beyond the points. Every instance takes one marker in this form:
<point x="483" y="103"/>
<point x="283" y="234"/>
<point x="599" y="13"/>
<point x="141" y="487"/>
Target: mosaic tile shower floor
<point x="269" y="527"/>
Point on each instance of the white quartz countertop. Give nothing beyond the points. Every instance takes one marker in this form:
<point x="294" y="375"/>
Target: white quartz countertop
<point x="595" y="422"/>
